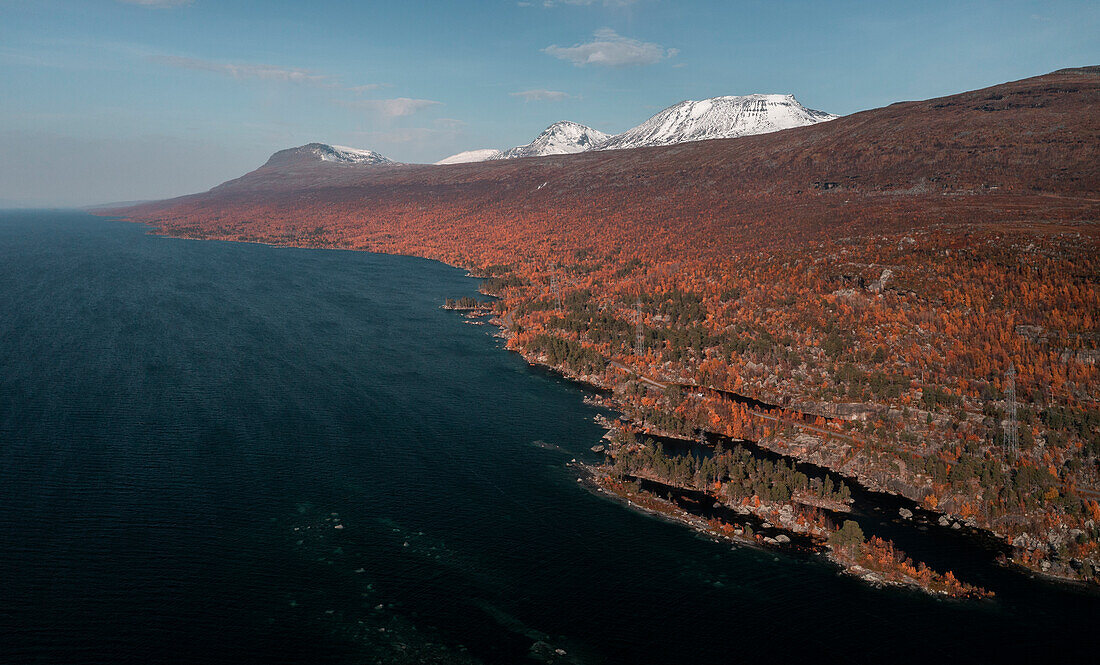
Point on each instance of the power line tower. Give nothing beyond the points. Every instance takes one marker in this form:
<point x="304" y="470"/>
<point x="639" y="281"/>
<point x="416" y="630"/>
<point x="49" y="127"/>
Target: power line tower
<point x="639" y="334"/>
<point x="555" y="288"/>
<point x="1012" y="440"/>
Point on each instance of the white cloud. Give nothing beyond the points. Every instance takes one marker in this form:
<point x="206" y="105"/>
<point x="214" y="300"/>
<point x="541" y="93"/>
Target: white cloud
<point x="157" y="3"/>
<point x="609" y="49"/>
<point x="541" y="95"/>
<point x="390" y="108"/>
<point x="244" y="71"/>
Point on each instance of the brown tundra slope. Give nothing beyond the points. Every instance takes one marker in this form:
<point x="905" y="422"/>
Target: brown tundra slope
<point x="1027" y="145"/>
<point x="879" y="273"/>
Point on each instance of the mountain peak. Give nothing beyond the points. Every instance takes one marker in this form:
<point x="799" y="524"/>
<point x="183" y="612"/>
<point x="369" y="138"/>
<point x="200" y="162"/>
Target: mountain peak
<point x="723" y="117"/>
<point x="561" y="138"/>
<point x="718" y="118"/>
<point x="328" y="153"/>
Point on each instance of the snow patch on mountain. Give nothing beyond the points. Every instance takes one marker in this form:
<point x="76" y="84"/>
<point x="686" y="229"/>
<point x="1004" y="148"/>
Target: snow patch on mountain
<point x="343" y="154"/>
<point x="472" y="156"/>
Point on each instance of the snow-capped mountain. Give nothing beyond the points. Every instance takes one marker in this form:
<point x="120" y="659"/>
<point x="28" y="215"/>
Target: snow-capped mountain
<point x="560" y="138"/>
<point x="714" y="118"/>
<point x="331" y="153"/>
<point x="718" y="118"/>
<point x="346" y="155"/>
<point x="472" y="156"/>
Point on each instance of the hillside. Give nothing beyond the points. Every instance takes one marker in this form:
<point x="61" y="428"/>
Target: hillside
<point x="876" y="275"/>
<point x="1032" y="137"/>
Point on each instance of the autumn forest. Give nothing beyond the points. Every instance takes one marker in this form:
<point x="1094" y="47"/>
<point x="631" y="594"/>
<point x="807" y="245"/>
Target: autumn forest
<point x="875" y="295"/>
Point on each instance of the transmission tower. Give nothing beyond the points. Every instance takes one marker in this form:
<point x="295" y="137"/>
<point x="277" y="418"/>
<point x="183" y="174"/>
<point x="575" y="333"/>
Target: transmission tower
<point x="555" y="288"/>
<point x="639" y="335"/>
<point x="1012" y="441"/>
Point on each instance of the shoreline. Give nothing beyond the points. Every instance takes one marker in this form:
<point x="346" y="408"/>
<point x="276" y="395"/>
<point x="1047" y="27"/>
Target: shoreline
<point x="588" y="383"/>
<point x="592" y="383"/>
<point x="595" y="480"/>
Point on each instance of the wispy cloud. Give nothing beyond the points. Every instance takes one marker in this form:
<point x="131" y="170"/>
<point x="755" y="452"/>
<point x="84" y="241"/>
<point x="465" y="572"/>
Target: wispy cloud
<point x="368" y="87"/>
<point x="244" y="70"/>
<point x="541" y="95"/>
<point x="263" y="72"/>
<point x="610" y="49"/>
<point x="449" y="124"/>
<point x="390" y="108"/>
<point x="605" y="3"/>
<point x="157" y="4"/>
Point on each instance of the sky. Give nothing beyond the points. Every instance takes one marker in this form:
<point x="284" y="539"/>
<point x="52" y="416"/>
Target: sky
<point x="120" y="100"/>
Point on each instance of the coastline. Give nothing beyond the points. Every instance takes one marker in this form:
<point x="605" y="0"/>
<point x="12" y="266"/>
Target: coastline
<point x="589" y="382"/>
<point x="596" y="480"/>
<point x="592" y="382"/>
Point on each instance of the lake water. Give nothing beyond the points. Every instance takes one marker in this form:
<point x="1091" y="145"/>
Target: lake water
<point x="185" y="424"/>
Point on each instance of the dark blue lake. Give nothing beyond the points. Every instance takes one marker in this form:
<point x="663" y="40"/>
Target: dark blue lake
<point x="227" y="453"/>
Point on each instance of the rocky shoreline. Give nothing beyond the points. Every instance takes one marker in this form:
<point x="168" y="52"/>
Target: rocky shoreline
<point x="598" y="480"/>
<point x="846" y="470"/>
<point x="719" y="531"/>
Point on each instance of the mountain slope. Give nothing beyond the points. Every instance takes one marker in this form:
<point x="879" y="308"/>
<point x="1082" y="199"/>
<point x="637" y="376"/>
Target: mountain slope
<point x="471" y="156"/>
<point x="718" y="118"/>
<point x="908" y="163"/>
<point x="560" y="138"/>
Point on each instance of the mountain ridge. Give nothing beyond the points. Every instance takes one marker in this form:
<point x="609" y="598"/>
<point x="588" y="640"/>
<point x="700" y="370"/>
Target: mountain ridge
<point x="1026" y="137"/>
<point x="718" y="118"/>
<point x="727" y="116"/>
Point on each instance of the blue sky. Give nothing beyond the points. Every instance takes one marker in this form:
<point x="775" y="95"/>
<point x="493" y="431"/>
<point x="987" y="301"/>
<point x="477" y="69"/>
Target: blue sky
<point x="107" y="100"/>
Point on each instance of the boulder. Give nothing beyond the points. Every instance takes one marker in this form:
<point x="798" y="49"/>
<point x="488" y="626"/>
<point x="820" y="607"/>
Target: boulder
<point x="905" y="513"/>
